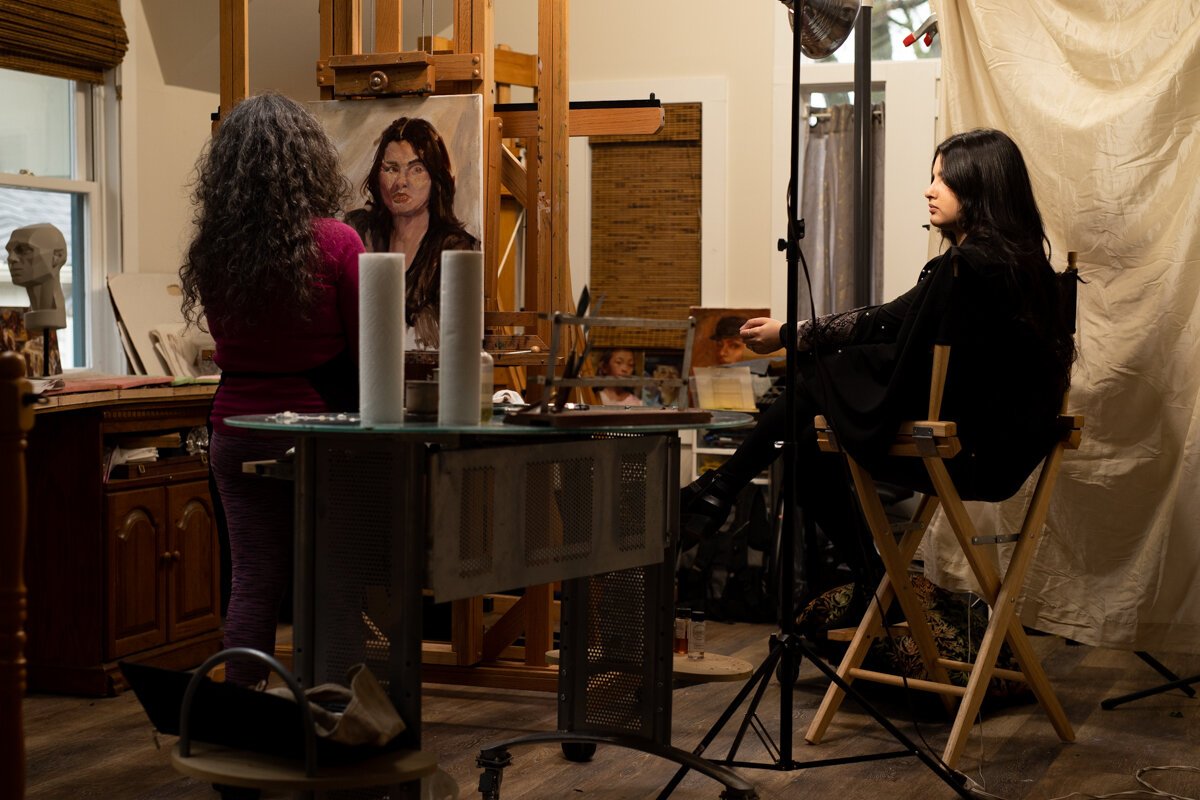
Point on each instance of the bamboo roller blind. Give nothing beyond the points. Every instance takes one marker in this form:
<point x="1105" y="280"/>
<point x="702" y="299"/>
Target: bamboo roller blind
<point x="75" y="39"/>
<point x="646" y="227"/>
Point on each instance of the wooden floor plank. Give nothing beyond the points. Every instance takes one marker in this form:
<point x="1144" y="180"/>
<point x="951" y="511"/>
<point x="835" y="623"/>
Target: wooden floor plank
<point x="87" y="748"/>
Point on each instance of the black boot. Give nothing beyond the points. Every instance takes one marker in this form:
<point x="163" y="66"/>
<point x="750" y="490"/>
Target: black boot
<point x="704" y="505"/>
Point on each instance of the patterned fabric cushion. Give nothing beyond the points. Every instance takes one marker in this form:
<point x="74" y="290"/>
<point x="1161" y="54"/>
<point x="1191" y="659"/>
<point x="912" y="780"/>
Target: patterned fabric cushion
<point x="957" y="632"/>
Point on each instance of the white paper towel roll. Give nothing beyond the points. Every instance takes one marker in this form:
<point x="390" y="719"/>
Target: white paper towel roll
<point x="461" y="337"/>
<point x="381" y="338"/>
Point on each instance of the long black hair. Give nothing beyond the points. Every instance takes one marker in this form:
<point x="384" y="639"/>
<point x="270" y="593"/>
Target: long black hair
<point x="997" y="212"/>
<point x="267" y="173"/>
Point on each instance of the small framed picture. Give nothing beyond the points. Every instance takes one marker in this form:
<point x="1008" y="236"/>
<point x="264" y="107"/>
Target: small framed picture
<point x="718" y="341"/>
<point x="664" y="365"/>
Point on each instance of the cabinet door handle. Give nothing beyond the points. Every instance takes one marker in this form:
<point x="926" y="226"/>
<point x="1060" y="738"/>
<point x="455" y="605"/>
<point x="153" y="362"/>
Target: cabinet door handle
<point x="175" y="555"/>
<point x="165" y="558"/>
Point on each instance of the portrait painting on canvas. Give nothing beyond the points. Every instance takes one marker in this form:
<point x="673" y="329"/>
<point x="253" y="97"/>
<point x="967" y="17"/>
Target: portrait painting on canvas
<point x="415" y="168"/>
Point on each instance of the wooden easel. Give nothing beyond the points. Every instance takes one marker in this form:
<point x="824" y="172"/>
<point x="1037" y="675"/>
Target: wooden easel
<point x="473" y="64"/>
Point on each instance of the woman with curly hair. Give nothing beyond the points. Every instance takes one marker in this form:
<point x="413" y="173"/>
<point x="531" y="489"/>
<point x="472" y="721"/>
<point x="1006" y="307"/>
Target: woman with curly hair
<point x="275" y="277"/>
<point x="410" y="210"/>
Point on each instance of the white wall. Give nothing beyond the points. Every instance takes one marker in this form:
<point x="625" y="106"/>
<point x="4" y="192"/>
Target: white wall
<point x="170" y="87"/>
<point x="732" y="56"/>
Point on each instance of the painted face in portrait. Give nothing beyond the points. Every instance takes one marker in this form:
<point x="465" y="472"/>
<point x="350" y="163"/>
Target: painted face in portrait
<point x="403" y="181"/>
<point x="730" y="350"/>
<point x="620" y="364"/>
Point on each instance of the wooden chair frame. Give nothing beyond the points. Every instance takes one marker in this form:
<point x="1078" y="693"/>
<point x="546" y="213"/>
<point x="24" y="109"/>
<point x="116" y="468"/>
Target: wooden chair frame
<point x="934" y="441"/>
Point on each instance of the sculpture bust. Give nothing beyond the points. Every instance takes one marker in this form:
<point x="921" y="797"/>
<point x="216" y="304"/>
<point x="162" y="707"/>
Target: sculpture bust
<point x="36" y="253"/>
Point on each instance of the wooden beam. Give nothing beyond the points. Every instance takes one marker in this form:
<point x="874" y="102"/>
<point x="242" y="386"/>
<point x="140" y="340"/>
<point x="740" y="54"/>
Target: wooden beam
<point x="446" y="66"/>
<point x="325" y="49"/>
<point x="513" y="177"/>
<point x="466" y="630"/>
<point x="515" y="69"/>
<point x="388" y="26"/>
<point x="551" y="199"/>
<point x="341" y="35"/>
<point x="347" y="27"/>
<point x="494" y="153"/>
<point x="588" y="121"/>
<point x="235" y="65"/>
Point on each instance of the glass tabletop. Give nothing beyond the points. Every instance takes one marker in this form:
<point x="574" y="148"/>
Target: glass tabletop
<point x="291" y="422"/>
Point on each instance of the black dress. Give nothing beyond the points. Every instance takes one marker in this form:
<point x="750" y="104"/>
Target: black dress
<point x="1002" y="387"/>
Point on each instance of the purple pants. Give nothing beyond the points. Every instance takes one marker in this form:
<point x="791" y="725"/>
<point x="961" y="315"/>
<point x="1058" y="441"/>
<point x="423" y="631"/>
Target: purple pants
<point x="258" y="516"/>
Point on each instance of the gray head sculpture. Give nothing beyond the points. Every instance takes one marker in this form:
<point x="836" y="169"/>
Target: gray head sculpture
<point x="36" y="253"/>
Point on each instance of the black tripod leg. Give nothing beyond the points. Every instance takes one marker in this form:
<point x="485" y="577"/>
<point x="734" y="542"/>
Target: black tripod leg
<point x="1161" y="669"/>
<point x="752" y="710"/>
<point x="1183" y="683"/>
<point x="951" y="778"/>
<point x="760" y="679"/>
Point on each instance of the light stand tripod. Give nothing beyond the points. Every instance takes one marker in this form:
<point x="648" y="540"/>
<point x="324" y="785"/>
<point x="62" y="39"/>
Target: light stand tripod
<point x="1173" y="682"/>
<point x="815" y="25"/>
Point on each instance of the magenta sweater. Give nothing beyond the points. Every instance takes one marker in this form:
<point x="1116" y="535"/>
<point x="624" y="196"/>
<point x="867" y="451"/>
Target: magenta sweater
<point x="264" y="364"/>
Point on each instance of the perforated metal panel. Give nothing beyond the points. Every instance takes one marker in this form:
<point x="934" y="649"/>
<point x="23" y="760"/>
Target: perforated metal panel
<point x="615" y="669"/>
<point x="371" y="509"/>
<point x="545" y="512"/>
<point x="355" y="556"/>
<point x="634" y="492"/>
<point x="367" y="510"/>
<point x="475" y="523"/>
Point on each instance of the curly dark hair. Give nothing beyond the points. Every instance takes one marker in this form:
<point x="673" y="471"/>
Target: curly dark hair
<point x="269" y="171"/>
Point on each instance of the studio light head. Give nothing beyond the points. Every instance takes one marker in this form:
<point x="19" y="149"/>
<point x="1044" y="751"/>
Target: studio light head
<point x="824" y="24"/>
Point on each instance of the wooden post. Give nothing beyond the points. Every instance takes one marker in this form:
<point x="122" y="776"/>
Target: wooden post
<point x="235" y="43"/>
<point x="550" y="199"/>
<point x="388" y="26"/>
<point x="16" y="418"/>
<point x="341" y="35"/>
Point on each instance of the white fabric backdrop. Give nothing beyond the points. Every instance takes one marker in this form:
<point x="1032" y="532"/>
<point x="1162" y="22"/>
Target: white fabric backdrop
<point x="1103" y="97"/>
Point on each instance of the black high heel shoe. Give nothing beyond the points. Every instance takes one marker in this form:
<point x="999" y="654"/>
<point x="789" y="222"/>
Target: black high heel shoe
<point x="704" y="505"/>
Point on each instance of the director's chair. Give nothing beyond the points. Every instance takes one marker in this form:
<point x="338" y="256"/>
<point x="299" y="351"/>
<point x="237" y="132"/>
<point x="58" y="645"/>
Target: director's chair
<point x="935" y="442"/>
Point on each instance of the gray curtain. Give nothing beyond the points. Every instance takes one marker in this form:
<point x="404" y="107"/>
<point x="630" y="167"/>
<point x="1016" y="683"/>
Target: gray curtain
<point x="827" y="206"/>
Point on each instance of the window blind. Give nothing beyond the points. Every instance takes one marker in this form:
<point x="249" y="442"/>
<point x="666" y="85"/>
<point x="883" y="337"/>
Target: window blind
<point x="75" y="39"/>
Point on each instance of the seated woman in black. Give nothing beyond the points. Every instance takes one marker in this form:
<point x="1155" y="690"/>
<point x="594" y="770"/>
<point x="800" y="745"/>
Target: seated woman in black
<point x="992" y="294"/>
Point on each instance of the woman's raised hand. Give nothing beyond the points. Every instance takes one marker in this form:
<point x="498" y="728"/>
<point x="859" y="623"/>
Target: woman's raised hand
<point x="761" y="334"/>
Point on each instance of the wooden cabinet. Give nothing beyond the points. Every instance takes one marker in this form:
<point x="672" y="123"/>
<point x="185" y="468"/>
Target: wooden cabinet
<point x="117" y="569"/>
<point x="164" y="586"/>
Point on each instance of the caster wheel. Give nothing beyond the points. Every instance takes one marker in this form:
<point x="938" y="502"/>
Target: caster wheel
<point x="786" y="675"/>
<point x="578" y="752"/>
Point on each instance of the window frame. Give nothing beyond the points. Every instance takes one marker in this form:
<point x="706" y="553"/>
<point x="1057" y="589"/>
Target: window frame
<point x="96" y="182"/>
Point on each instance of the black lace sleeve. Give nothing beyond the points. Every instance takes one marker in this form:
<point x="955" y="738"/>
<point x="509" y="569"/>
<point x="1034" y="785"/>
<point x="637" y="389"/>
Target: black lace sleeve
<point x="829" y="329"/>
<point x="866" y="325"/>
